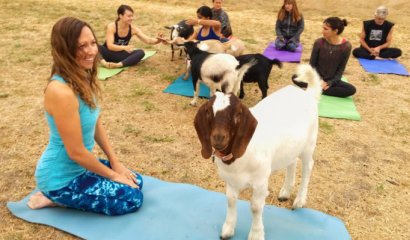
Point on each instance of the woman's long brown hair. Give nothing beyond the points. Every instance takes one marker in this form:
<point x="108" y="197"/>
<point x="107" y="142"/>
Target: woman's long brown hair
<point x="296" y="15"/>
<point x="64" y="45"/>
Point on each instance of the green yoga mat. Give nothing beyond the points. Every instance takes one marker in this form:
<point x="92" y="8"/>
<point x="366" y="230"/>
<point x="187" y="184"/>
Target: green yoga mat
<point x="335" y="107"/>
<point x="104" y="73"/>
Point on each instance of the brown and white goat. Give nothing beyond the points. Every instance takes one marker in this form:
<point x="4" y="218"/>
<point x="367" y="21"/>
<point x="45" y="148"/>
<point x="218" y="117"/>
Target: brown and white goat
<point x="249" y="144"/>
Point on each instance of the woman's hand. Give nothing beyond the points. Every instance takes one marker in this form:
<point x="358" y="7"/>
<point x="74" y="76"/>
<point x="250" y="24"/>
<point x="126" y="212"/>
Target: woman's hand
<point x="160" y="38"/>
<point x="124" y="180"/>
<point x="129" y="48"/>
<point x="125" y="174"/>
<point x="324" y="85"/>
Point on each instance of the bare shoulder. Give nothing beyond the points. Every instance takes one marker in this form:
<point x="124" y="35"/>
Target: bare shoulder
<point x="58" y="96"/>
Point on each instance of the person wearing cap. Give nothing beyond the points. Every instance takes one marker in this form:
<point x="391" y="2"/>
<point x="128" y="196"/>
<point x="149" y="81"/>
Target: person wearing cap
<point x="376" y="37"/>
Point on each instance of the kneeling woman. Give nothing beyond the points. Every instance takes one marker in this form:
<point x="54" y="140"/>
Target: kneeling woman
<point x="68" y="174"/>
<point x="116" y="51"/>
<point x="329" y="57"/>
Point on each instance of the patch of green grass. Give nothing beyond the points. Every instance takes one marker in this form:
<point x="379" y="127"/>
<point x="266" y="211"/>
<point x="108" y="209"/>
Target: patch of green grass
<point x="140" y="90"/>
<point x="380" y="188"/>
<point x="130" y="129"/>
<point x="250" y="40"/>
<point x="4" y="95"/>
<point x="25" y="58"/>
<point x="159" y="139"/>
<point x="148" y="106"/>
<point x="168" y="78"/>
<point x="372" y="79"/>
<point x="326" y="127"/>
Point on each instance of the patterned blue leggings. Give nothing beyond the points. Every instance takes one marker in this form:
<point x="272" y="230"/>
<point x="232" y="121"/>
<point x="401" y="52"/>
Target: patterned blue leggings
<point x="94" y="193"/>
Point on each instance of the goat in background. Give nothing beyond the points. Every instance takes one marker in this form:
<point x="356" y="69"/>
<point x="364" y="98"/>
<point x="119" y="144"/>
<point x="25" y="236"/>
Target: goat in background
<point x="219" y="71"/>
<point x="258" y="73"/>
<point x="249" y="144"/>
<point x="181" y="30"/>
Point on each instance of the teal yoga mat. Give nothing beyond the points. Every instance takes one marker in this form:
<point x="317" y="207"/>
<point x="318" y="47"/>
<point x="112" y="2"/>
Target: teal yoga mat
<point x="186" y="88"/>
<point x="177" y="211"/>
<point x="105" y="73"/>
<point x="335" y="107"/>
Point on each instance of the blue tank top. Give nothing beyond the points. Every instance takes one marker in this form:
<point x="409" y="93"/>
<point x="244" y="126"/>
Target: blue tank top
<point x="211" y="35"/>
<point x="55" y="169"/>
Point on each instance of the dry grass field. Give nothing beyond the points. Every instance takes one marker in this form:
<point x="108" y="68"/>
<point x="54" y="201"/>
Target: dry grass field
<point x="361" y="172"/>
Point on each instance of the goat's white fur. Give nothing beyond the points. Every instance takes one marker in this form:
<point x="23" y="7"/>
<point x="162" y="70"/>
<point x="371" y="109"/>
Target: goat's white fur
<point x="287" y="130"/>
<point x="225" y="65"/>
<point x="234" y="47"/>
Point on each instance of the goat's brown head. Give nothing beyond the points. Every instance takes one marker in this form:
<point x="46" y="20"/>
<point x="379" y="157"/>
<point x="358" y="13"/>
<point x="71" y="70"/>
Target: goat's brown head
<point x="224" y="124"/>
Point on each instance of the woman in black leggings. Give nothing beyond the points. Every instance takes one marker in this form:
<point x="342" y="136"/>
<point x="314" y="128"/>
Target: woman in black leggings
<point x="329" y="57"/>
<point x="116" y="51"/>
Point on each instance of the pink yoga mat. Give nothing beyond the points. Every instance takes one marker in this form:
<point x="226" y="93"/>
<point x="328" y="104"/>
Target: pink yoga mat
<point x="284" y="56"/>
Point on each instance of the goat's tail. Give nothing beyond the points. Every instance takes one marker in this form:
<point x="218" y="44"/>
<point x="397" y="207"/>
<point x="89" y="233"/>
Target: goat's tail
<point x="276" y="62"/>
<point x="307" y="74"/>
<point x="243" y="67"/>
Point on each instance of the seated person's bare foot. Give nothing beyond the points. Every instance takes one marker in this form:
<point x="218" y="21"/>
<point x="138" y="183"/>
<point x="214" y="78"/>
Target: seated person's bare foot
<point x="380" y="58"/>
<point x="110" y="64"/>
<point x="38" y="200"/>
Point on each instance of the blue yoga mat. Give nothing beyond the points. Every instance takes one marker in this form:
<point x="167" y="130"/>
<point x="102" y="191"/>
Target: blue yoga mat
<point x="186" y="88"/>
<point x="383" y="66"/>
<point x="176" y="211"/>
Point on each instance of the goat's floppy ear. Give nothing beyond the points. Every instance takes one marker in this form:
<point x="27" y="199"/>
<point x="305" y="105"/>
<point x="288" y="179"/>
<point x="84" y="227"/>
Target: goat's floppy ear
<point x="202" y="125"/>
<point x="169" y="27"/>
<point x="245" y="128"/>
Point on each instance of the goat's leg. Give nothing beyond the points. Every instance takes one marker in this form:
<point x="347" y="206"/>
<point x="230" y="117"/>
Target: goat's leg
<point x="257" y="203"/>
<point x="228" y="229"/>
<point x="307" y="165"/>
<point x="242" y="92"/>
<point x="289" y="183"/>
<point x="263" y="86"/>
<point x="188" y="69"/>
<point x="196" y="94"/>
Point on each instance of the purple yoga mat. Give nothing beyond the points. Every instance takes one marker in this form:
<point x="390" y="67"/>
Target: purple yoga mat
<point x="284" y="56"/>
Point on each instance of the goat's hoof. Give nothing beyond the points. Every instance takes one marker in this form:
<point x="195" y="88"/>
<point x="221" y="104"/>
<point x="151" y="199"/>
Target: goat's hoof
<point x="193" y="104"/>
<point x="256" y="235"/>
<point x="241" y="96"/>
<point x="283" y="199"/>
<point x="227" y="231"/>
<point x="224" y="238"/>
<point x="299" y="203"/>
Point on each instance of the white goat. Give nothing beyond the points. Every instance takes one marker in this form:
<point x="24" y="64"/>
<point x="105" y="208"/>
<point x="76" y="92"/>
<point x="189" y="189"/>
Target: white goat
<point x="234" y="47"/>
<point x="249" y="144"/>
<point x="219" y="71"/>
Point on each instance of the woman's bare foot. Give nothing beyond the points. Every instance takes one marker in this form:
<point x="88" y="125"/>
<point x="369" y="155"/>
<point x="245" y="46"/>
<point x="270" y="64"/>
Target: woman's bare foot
<point x="110" y="64"/>
<point x="379" y="58"/>
<point x="38" y="200"/>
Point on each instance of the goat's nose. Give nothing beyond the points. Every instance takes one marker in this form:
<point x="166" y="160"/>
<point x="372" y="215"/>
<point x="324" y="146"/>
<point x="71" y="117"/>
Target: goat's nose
<point x="218" y="138"/>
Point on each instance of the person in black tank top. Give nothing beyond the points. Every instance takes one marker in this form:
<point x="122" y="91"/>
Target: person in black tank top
<point x="116" y="51"/>
<point x="376" y="37"/>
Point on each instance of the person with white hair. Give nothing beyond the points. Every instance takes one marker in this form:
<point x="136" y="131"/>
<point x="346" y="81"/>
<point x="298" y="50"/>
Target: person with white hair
<point x="376" y="37"/>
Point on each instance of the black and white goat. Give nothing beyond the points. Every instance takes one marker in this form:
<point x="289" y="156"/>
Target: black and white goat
<point x="219" y="71"/>
<point x="249" y="144"/>
<point x="258" y="73"/>
<point x="181" y="30"/>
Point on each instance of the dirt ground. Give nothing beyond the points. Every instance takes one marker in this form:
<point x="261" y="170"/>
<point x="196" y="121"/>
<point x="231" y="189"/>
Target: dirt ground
<point x="361" y="172"/>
